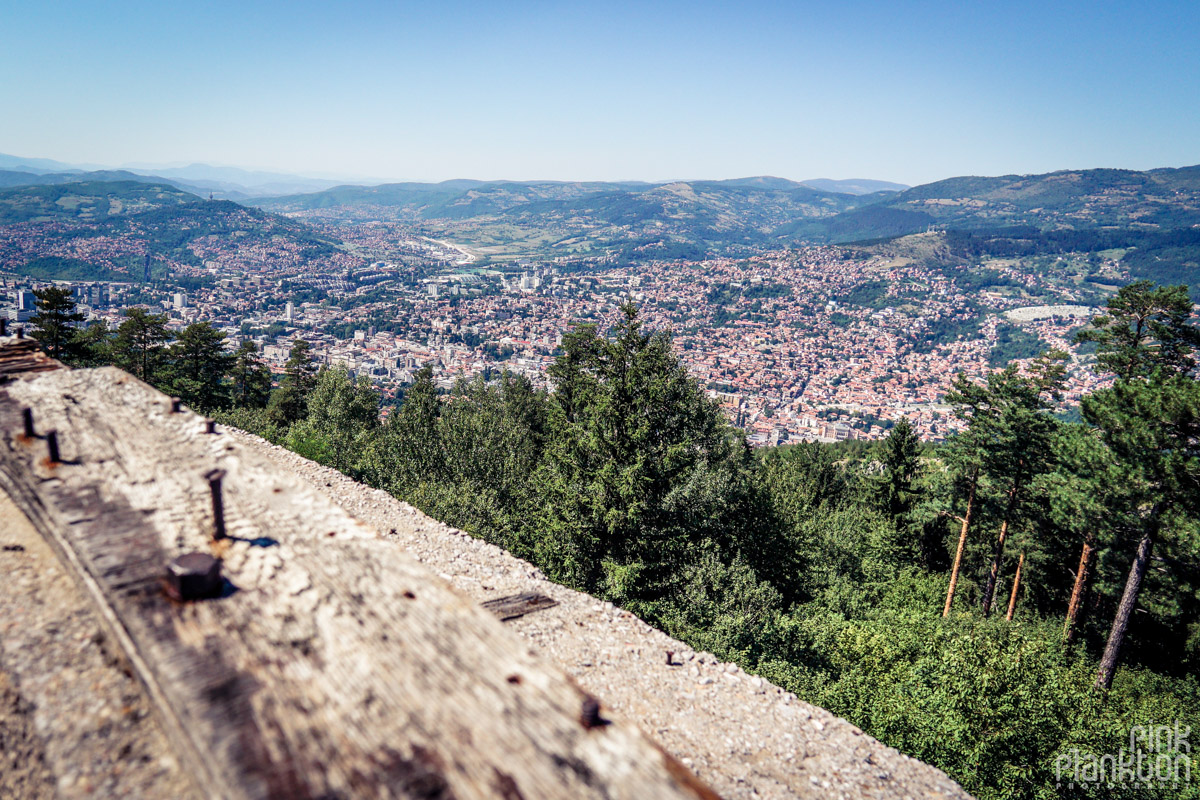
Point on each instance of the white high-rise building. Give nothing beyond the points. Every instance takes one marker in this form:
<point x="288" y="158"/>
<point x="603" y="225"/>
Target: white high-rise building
<point x="289" y="312"/>
<point x="181" y="300"/>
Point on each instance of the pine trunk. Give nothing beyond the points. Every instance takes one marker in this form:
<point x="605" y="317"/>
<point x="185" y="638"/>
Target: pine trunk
<point x="1082" y="578"/>
<point x="1116" y="637"/>
<point x="994" y="573"/>
<point x="1012" y="599"/>
<point x="962" y="541"/>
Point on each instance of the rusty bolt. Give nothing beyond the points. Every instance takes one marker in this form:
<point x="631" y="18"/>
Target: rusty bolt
<point x="670" y="658"/>
<point x="218" y="504"/>
<point x="210" y="426"/>
<point x="589" y="714"/>
<point x="176" y="404"/>
<point x="52" y="446"/>
<point x="27" y="419"/>
<point x="193" y="576"/>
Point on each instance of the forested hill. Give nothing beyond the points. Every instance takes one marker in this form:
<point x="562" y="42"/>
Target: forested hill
<point x="1070" y="210"/>
<point x="1157" y="200"/>
<point x="1149" y="221"/>
<point x="682" y="219"/>
<point x="104" y="230"/>
<point x="11" y="178"/>
<point x="88" y="201"/>
<point x="1068" y="199"/>
<point x="760" y="202"/>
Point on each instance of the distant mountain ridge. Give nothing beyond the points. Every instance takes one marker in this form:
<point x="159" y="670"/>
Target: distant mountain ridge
<point x="855" y="185"/>
<point x="104" y="229"/>
<point x="1154" y="215"/>
<point x="1149" y="221"/>
<point x="10" y="178"/>
<point x="231" y="183"/>
<point x="694" y="218"/>
<point x="235" y="183"/>
<point x="1159" y="199"/>
<point x="461" y="198"/>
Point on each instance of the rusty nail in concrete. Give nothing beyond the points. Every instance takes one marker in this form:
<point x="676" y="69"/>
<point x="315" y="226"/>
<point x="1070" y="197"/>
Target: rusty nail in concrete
<point x="27" y="418"/>
<point x="193" y="576"/>
<point x="589" y="715"/>
<point x="210" y="426"/>
<point x="218" y="504"/>
<point x="52" y="446"/>
<point x="176" y="404"/>
<point x="670" y="658"/>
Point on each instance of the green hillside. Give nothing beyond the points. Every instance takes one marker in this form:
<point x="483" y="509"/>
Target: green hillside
<point x="102" y="230"/>
<point x="1163" y="199"/>
<point x="1152" y="219"/>
<point x="550" y="218"/>
<point x="1066" y="211"/>
<point x="89" y="201"/>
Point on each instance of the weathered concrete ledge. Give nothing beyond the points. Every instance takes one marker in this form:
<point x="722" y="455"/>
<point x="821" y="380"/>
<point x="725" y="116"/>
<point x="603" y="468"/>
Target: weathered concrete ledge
<point x="333" y="664"/>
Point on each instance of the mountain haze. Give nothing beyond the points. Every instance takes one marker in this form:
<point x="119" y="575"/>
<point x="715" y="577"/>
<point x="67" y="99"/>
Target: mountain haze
<point x="855" y="185"/>
<point x="230" y="183"/>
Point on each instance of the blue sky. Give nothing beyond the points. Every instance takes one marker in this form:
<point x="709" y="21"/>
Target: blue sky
<point x="903" y="91"/>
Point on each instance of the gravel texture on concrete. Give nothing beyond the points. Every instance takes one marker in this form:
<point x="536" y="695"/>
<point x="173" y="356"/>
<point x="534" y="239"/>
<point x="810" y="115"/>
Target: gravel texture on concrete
<point x="73" y="723"/>
<point x="745" y="737"/>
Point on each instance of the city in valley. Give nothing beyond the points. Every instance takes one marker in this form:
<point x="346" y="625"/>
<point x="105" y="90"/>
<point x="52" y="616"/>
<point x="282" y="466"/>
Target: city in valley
<point x="811" y="343"/>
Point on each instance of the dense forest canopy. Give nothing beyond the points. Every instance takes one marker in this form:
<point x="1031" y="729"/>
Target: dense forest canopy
<point x="996" y="606"/>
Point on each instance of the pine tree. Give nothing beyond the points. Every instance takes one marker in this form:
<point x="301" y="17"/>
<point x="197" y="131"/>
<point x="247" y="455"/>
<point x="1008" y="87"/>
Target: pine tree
<point x="1010" y="435"/>
<point x="94" y="346"/>
<point x="899" y="455"/>
<point x="140" y="345"/>
<point x="1153" y="427"/>
<point x="1145" y="330"/>
<point x="251" y="380"/>
<point x="1074" y="525"/>
<point x="289" y="402"/>
<point x="55" y="323"/>
<point x="199" y="366"/>
<point x="972" y="488"/>
<point x="641" y="471"/>
<point x="1150" y="418"/>
<point x="408" y="451"/>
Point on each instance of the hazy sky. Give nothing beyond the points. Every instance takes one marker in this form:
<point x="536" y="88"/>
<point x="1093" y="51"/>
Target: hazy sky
<point x="903" y="91"/>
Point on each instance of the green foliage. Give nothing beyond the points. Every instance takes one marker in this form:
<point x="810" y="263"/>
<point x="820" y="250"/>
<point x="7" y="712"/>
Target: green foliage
<point x="252" y="420"/>
<point x="57" y="268"/>
<point x="899" y="461"/>
<point x="199" y="364"/>
<point x="1012" y="343"/>
<point x="641" y="471"/>
<point x="872" y="294"/>
<point x="249" y="378"/>
<point x="945" y="330"/>
<point x="289" y="402"/>
<point x="728" y="295"/>
<point x="55" y="323"/>
<point x="1145" y="330"/>
<point x="140" y="345"/>
<point x="341" y="422"/>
